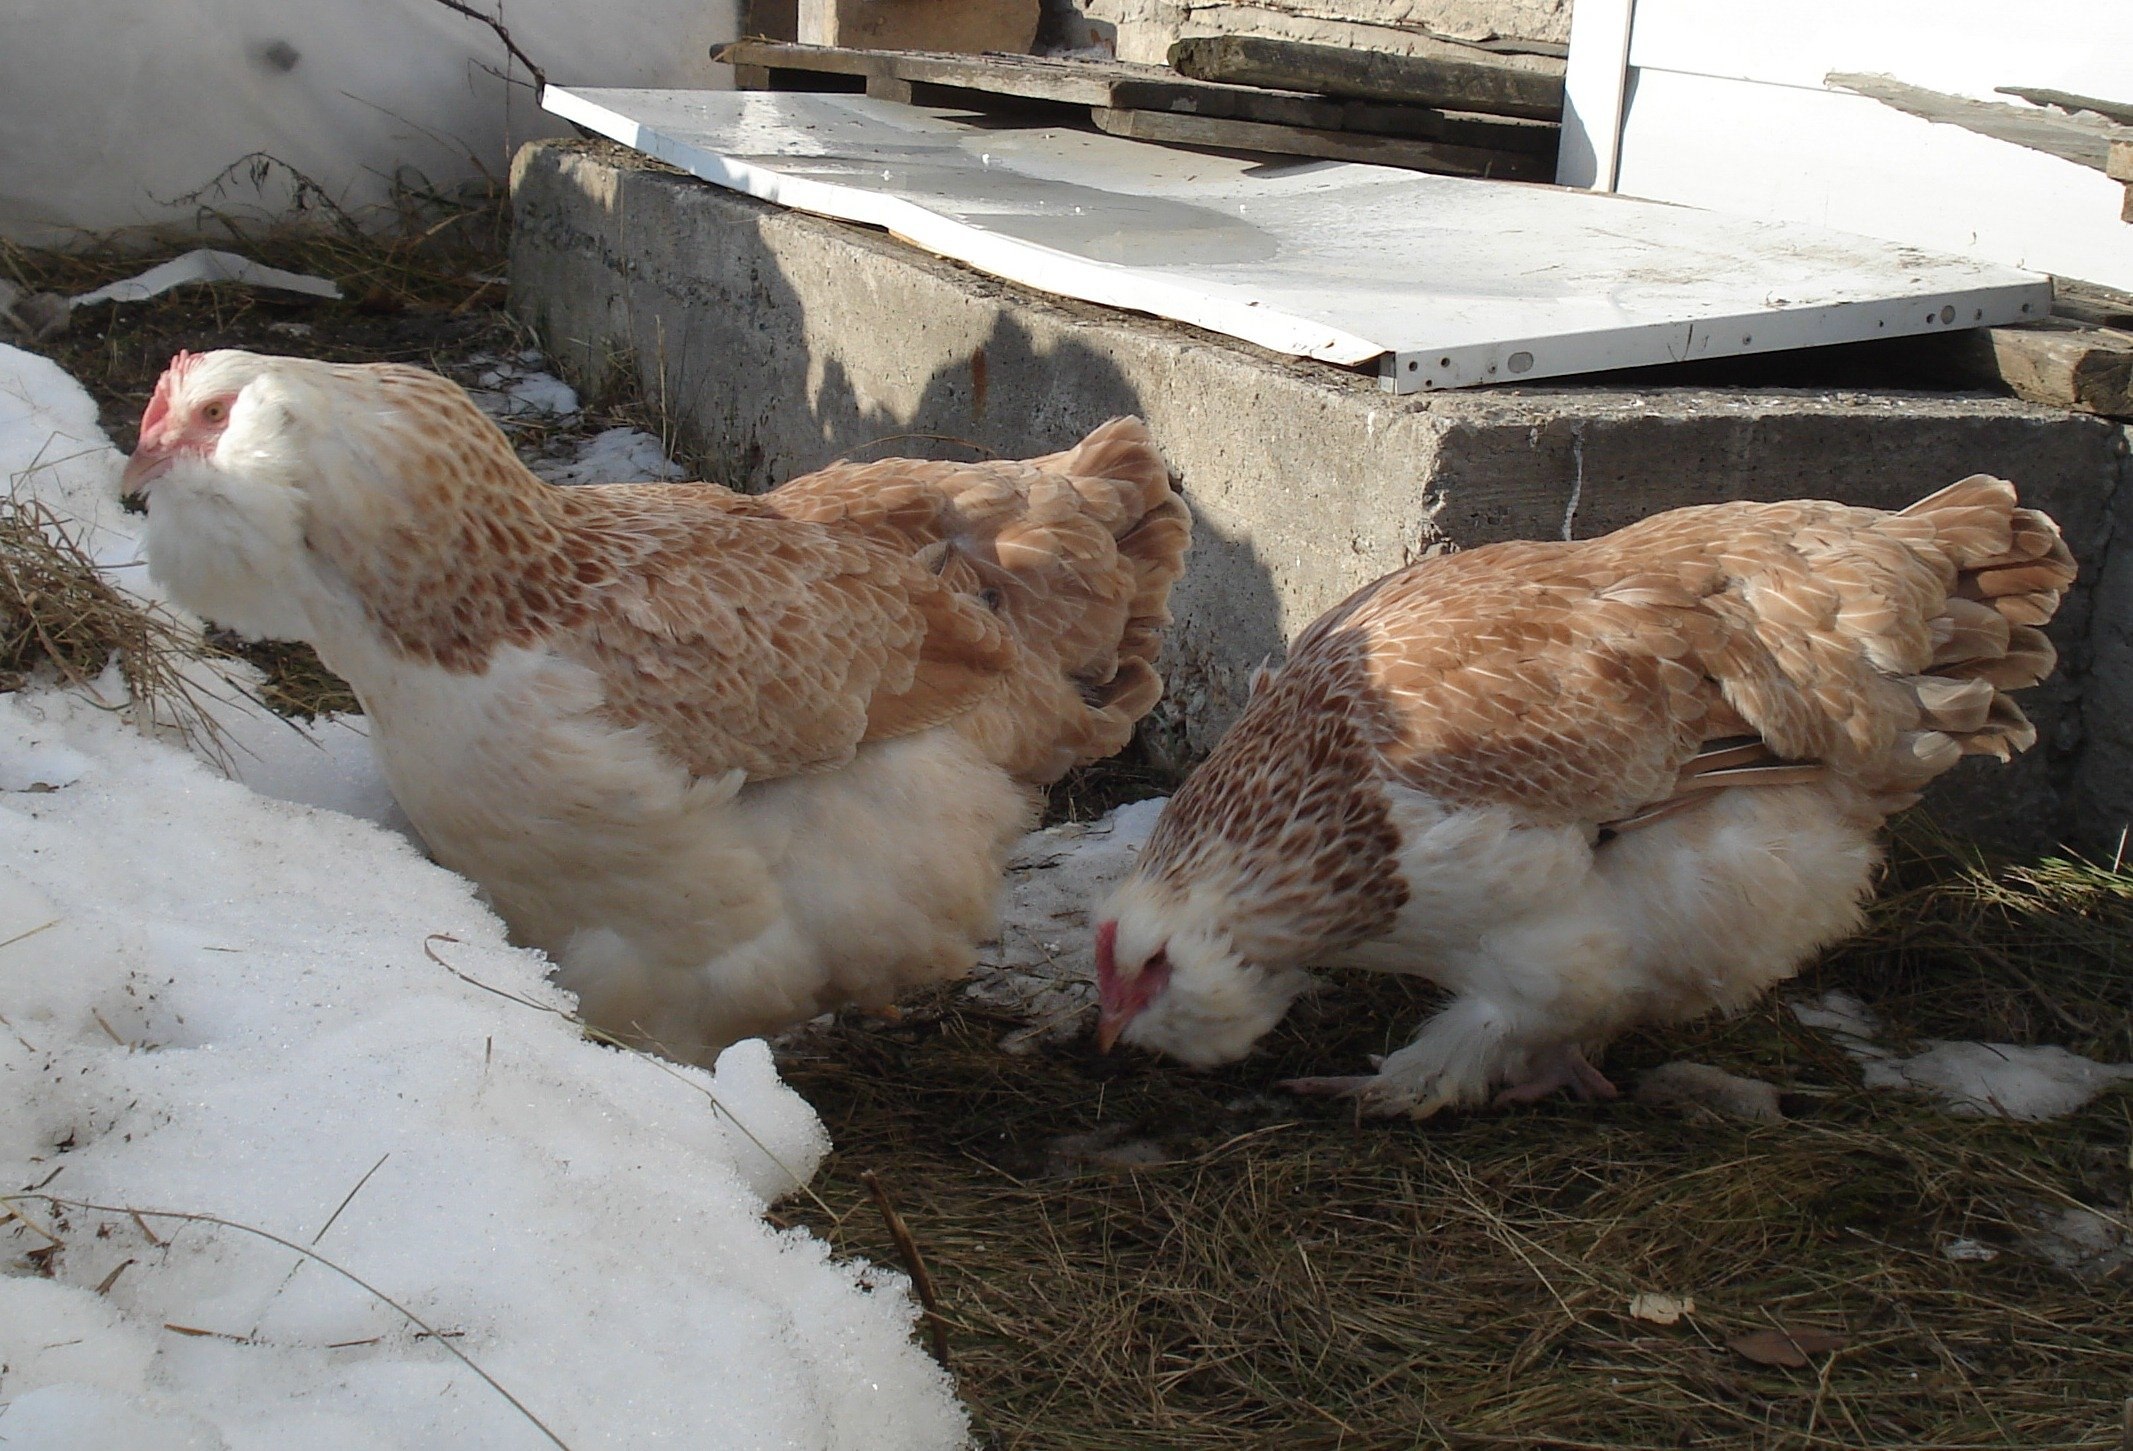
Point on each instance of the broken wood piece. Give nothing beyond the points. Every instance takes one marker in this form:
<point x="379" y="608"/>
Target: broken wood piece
<point x="2090" y="303"/>
<point x="2086" y="140"/>
<point x="941" y="25"/>
<point x="2056" y="362"/>
<point x="2117" y="111"/>
<point x="1491" y="87"/>
<point x="1229" y="135"/>
<point x="2119" y="164"/>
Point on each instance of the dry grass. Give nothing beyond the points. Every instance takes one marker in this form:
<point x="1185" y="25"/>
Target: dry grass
<point x="60" y="616"/>
<point x="1281" y="1275"/>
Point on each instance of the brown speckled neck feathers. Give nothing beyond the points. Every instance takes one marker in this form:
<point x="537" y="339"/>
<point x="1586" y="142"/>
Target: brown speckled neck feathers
<point x="1290" y="815"/>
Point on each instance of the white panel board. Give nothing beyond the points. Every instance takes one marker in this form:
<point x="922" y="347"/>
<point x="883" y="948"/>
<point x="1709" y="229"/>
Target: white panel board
<point x="1836" y="160"/>
<point x="1725" y="105"/>
<point x="1443" y="281"/>
<point x="1595" y="85"/>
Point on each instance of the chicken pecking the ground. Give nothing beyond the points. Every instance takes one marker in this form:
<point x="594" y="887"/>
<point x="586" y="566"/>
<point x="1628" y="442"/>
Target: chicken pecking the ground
<point x="1583" y="785"/>
<point x="729" y="760"/>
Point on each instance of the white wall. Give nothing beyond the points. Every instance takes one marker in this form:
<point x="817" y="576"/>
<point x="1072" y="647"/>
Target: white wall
<point x="111" y="109"/>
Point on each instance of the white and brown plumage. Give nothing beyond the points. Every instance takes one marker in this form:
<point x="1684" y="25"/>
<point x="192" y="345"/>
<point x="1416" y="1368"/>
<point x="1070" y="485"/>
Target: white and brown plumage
<point x="730" y="760"/>
<point x="1582" y="785"/>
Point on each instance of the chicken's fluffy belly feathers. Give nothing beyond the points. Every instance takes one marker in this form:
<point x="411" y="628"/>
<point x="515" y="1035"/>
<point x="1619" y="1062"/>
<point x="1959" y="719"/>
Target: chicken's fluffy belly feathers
<point x="731" y="760"/>
<point x="1586" y="784"/>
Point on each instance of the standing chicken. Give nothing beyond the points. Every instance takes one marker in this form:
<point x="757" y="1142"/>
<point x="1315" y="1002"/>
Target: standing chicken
<point x="730" y="761"/>
<point x="1582" y="785"/>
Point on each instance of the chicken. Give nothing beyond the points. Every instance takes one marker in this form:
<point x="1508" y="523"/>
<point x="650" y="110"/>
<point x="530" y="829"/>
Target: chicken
<point x="1581" y="786"/>
<point x="729" y="760"/>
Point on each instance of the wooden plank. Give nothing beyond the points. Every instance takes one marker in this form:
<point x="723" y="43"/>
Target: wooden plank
<point x="2083" y="140"/>
<point x="2085" y="302"/>
<point x="1122" y="86"/>
<point x="2057" y="362"/>
<point x="1081" y="83"/>
<point x="1461" y="128"/>
<point x="1489" y="87"/>
<point x="1231" y="135"/>
<point x="949" y="25"/>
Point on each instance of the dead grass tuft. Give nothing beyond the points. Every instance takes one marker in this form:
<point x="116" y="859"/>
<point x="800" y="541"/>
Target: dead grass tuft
<point x="58" y="613"/>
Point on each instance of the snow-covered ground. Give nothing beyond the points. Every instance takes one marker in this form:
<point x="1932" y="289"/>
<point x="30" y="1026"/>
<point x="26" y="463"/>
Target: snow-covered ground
<point x="253" y="1051"/>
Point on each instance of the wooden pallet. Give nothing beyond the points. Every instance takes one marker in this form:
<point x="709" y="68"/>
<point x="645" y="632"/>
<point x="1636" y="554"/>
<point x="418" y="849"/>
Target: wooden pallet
<point x="1490" y="87"/>
<point x="1155" y="103"/>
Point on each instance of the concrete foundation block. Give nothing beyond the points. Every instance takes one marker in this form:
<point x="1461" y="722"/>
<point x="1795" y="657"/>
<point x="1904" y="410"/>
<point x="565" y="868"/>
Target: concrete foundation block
<point x="780" y="341"/>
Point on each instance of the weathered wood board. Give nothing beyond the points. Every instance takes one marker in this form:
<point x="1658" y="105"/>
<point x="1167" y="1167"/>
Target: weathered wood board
<point x="1416" y="155"/>
<point x="1331" y="70"/>
<point x="1154" y="103"/>
<point x="1118" y="86"/>
<point x="2059" y="362"/>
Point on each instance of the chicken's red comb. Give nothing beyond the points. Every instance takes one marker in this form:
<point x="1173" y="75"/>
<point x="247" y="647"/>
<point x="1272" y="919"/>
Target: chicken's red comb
<point x="159" y="405"/>
<point x="1106" y="952"/>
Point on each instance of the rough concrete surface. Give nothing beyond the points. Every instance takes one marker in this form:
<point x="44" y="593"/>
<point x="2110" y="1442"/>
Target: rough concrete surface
<point x="781" y="341"/>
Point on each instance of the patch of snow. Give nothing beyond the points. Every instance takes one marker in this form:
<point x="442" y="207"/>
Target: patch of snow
<point x="1042" y="967"/>
<point x="220" y="1004"/>
<point x="1842" y="1016"/>
<point x="612" y="456"/>
<point x="511" y="393"/>
<point x="2004" y="1080"/>
<point x="2085" y="1243"/>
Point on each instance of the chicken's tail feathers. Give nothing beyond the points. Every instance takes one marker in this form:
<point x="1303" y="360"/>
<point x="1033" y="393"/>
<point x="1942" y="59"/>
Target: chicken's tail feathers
<point x="2011" y="570"/>
<point x="1082" y="564"/>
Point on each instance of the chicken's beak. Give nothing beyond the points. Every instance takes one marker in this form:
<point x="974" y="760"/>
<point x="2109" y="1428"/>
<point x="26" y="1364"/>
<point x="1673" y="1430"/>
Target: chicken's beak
<point x="150" y="462"/>
<point x="1109" y="1024"/>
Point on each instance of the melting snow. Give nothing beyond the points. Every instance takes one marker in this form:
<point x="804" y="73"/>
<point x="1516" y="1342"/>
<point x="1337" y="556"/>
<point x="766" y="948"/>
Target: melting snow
<point x="225" y="1005"/>
<point x="1041" y="969"/>
<point x="2006" y="1080"/>
<point x="614" y="456"/>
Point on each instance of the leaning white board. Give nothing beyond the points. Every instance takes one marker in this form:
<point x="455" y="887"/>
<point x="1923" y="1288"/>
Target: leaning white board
<point x="1730" y="107"/>
<point x="1441" y="282"/>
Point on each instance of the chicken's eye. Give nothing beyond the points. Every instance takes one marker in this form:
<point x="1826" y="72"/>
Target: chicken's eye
<point x="215" y="412"/>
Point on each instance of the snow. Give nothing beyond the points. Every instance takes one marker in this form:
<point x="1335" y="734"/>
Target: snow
<point x="516" y="391"/>
<point x="2005" y="1080"/>
<point x="613" y="456"/>
<point x="214" y="1003"/>
<point x="1041" y="968"/>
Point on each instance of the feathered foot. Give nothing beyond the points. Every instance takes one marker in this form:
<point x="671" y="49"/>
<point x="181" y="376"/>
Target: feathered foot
<point x="1565" y="1067"/>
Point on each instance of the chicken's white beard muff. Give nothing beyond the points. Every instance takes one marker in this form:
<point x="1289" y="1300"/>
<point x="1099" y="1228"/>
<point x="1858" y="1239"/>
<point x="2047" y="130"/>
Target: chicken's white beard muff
<point x="231" y="549"/>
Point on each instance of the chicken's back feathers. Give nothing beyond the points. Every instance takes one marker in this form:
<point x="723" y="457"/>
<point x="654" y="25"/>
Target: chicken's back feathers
<point x="1077" y="552"/>
<point x="741" y="639"/>
<point x="1589" y="682"/>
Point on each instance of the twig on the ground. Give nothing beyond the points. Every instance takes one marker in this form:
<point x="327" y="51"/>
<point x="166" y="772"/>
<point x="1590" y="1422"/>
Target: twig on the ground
<point x="914" y="1264"/>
